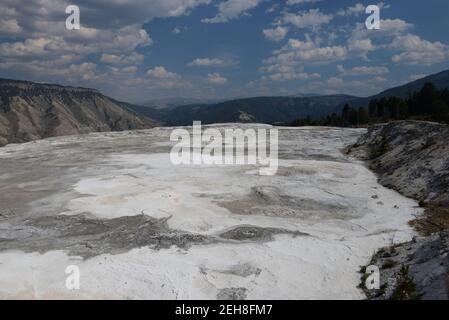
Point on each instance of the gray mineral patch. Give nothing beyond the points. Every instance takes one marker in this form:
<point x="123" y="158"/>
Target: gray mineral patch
<point x="252" y="233"/>
<point x="86" y="237"/>
<point x="243" y="270"/>
<point x="271" y="201"/>
<point x="232" y="294"/>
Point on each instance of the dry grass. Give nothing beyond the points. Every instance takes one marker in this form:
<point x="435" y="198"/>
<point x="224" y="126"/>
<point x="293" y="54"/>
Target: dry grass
<point x="434" y="219"/>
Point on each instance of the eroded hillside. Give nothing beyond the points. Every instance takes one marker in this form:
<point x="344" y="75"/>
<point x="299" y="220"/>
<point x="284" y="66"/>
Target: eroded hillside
<point x="30" y="111"/>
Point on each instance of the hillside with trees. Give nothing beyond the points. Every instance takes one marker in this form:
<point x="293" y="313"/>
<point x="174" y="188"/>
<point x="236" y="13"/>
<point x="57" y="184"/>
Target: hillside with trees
<point x="429" y="103"/>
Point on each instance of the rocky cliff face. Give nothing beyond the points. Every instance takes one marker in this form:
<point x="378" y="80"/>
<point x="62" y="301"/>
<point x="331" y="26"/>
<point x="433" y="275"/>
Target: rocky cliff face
<point x="30" y="111"/>
<point x="412" y="157"/>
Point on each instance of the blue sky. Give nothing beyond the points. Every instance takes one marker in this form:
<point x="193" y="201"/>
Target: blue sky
<point x="136" y="50"/>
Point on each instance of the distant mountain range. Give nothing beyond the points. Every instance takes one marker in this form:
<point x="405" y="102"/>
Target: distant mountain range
<point x="275" y="110"/>
<point x="166" y="103"/>
<point x="306" y="95"/>
<point x="260" y="109"/>
<point x="30" y="111"/>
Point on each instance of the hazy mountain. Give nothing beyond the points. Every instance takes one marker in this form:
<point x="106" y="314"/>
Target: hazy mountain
<point x="31" y="111"/>
<point x="306" y="95"/>
<point x="278" y="109"/>
<point x="259" y="109"/>
<point x="175" y="102"/>
<point x="440" y="80"/>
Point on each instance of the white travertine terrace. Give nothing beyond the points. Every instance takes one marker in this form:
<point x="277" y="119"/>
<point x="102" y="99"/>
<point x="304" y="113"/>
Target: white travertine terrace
<point x="318" y="191"/>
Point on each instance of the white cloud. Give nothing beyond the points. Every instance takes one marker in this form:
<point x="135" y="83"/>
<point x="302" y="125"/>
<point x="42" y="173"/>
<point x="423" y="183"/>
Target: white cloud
<point x="388" y="28"/>
<point x="272" y="8"/>
<point x="363" y="70"/>
<point x="125" y="39"/>
<point x="336" y="85"/>
<point x="417" y="51"/>
<point x="360" y="47"/>
<point x="415" y="77"/>
<point x="179" y="30"/>
<point x="277" y="34"/>
<point x="216" y="79"/>
<point x="122" y="71"/>
<point x="335" y="82"/>
<point x="293" y="2"/>
<point x="160" y="77"/>
<point x="232" y="9"/>
<point x="307" y="51"/>
<point x="9" y="27"/>
<point x="211" y="62"/>
<point x="394" y="35"/>
<point x="288" y="62"/>
<point x="37" y="40"/>
<point x="161" y="73"/>
<point x="133" y="58"/>
<point x="358" y="9"/>
<point x="360" y="43"/>
<point x="380" y="79"/>
<point x="413" y="50"/>
<point x="292" y="74"/>
<point x="306" y="19"/>
<point x="85" y="72"/>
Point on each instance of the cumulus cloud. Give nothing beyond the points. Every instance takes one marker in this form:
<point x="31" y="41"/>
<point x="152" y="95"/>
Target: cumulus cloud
<point x="211" y="62"/>
<point x="277" y="34"/>
<point x="133" y="58"/>
<point x="161" y="73"/>
<point x="395" y="35"/>
<point x="126" y="39"/>
<point x="108" y="48"/>
<point x="296" y="51"/>
<point x="363" y="70"/>
<point x="361" y="47"/>
<point x="417" y="51"/>
<point x="358" y="9"/>
<point x="291" y="74"/>
<point x="216" y="79"/>
<point x="288" y="62"/>
<point x="415" y="77"/>
<point x="232" y="9"/>
<point x="179" y="30"/>
<point x="122" y="71"/>
<point x="306" y="19"/>
<point x="335" y="82"/>
<point x="361" y="41"/>
<point x="293" y="2"/>
<point x="389" y="27"/>
<point x="10" y="27"/>
<point x="37" y="40"/>
<point x="160" y="77"/>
